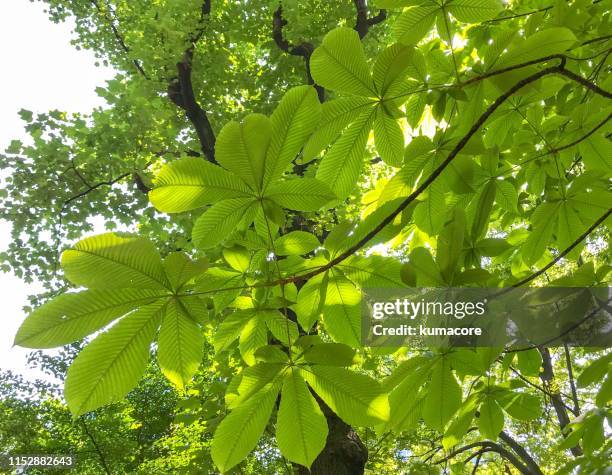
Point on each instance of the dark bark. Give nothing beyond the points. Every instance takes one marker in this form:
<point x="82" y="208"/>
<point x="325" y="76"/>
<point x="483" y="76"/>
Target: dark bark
<point x="304" y="49"/>
<point x="344" y="452"/>
<point x="547" y="376"/>
<point x="180" y="91"/>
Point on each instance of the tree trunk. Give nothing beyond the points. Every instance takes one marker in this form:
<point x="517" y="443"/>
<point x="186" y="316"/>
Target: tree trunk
<point x="344" y="453"/>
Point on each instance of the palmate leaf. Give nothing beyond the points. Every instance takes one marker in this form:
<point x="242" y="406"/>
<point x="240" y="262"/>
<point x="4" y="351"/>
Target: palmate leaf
<point x="301" y="428"/>
<point x="295" y="243"/>
<point x="112" y="364"/>
<point x="357" y="399"/>
<point x="251" y="380"/>
<point x="490" y="419"/>
<point x="342" y="164"/>
<point x="218" y="221"/>
<point x="73" y="316"/>
<point x="415" y="22"/>
<point x="301" y="194"/>
<point x="443" y="396"/>
<point x="389" y="138"/>
<point x="340" y="64"/>
<point x="180" y="269"/>
<point x="191" y="183"/>
<point x="114" y="261"/>
<point x="474" y="11"/>
<point x="342" y="311"/>
<point x="310" y="301"/>
<point x="180" y="345"/>
<point x="295" y="118"/>
<point x="336" y="115"/>
<point x="544" y="218"/>
<point x="242" y="146"/>
<point x="239" y="431"/>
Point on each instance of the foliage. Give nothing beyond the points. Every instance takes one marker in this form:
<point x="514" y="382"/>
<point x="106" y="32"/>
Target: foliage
<point x="455" y="143"/>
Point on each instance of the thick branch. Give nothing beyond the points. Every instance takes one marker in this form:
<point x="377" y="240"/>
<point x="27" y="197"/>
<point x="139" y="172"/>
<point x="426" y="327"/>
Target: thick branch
<point x="492" y="447"/>
<point x="547" y="375"/>
<point x="304" y="49"/>
<point x="181" y="91"/>
<point x="521" y="452"/>
<point x="363" y="24"/>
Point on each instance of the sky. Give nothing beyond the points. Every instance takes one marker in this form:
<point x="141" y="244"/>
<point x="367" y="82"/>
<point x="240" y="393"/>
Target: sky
<point x="43" y="71"/>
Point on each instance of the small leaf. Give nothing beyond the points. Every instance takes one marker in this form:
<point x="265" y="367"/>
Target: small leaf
<point x="296" y="243"/>
<point x="214" y="225"/>
<point x="301" y="194"/>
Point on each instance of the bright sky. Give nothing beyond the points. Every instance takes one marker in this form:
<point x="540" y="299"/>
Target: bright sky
<point x="42" y="72"/>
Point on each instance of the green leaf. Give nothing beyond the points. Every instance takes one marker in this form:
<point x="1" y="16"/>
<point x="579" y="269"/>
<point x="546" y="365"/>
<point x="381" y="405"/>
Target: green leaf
<point x="357" y="399"/>
<point x="473" y="11"/>
<point x="569" y="229"/>
<point x="72" y="316"/>
<point x="331" y="354"/>
<point x="191" y="183"/>
<point x="310" y="301"/>
<point x="253" y="336"/>
<point x="595" y="371"/>
<point x="340" y="64"/>
<point x="180" y="269"/>
<point x="341" y="166"/>
<point x="492" y="247"/>
<point x="542" y="43"/>
<point x="460" y="424"/>
<point x="301" y="428"/>
<point x="521" y="406"/>
<point x="429" y="215"/>
<point x="336" y="115"/>
<point x="180" y="345"/>
<point x="114" y="261"/>
<point x="214" y="225"/>
<point x="414" y="23"/>
<point x="283" y="329"/>
<point x="596" y="153"/>
<point x="240" y="431"/>
<point x="484" y="205"/>
<point x="506" y="196"/>
<point x="111" y="365"/>
<point x="389" y="138"/>
<point x="543" y="219"/>
<point x="301" y="194"/>
<point x="293" y="120"/>
<point x="450" y="244"/>
<point x="241" y="148"/>
<point x="222" y="284"/>
<point x="250" y="381"/>
<point x="373" y="271"/>
<point x="443" y="396"/>
<point x="342" y="311"/>
<point x="529" y="362"/>
<point x="427" y="271"/>
<point x="296" y="243"/>
<point x="230" y="328"/>
<point x="491" y="418"/>
<point x="392" y="65"/>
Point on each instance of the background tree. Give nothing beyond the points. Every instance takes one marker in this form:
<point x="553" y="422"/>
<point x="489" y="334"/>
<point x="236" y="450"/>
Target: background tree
<point x="263" y="151"/>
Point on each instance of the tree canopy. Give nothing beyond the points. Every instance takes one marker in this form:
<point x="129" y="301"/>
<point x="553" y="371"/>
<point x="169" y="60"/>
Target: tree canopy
<point x="271" y="160"/>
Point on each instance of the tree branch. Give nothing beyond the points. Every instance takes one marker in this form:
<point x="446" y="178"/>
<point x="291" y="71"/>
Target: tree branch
<point x="521" y="452"/>
<point x="492" y="447"/>
<point x="363" y="24"/>
<point x="181" y="92"/>
<point x="111" y="22"/>
<point x="565" y="252"/>
<point x="304" y="49"/>
<point x="431" y="178"/>
<point x="96" y="447"/>
<point x="547" y="375"/>
<point x="570" y="375"/>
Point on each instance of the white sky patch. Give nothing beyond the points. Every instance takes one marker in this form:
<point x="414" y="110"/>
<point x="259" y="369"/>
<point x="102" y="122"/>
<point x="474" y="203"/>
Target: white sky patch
<point x="43" y="72"/>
